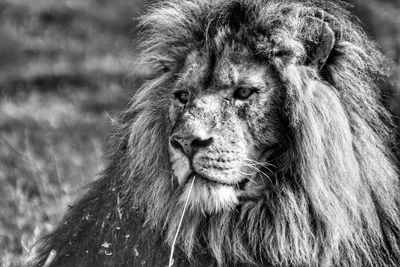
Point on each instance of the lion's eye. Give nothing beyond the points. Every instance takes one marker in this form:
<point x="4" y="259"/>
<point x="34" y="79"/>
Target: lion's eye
<point x="182" y="96"/>
<point x="243" y="93"/>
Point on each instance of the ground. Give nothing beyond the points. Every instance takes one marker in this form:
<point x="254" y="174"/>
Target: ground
<point x="65" y="70"/>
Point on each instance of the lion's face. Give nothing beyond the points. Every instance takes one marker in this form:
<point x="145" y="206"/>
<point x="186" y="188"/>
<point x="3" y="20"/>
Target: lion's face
<point x="225" y="125"/>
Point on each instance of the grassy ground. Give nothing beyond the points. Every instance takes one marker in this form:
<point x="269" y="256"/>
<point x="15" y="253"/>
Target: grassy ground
<point x="64" y="65"/>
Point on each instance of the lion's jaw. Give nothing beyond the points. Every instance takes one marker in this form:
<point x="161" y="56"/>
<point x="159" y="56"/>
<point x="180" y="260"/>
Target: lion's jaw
<point x="230" y="140"/>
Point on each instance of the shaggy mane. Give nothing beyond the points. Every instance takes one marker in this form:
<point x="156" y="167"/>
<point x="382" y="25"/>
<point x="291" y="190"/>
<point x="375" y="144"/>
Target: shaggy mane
<point x="335" y="200"/>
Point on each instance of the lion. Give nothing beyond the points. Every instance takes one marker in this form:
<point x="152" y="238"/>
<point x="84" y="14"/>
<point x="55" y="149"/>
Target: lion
<point x="259" y="139"/>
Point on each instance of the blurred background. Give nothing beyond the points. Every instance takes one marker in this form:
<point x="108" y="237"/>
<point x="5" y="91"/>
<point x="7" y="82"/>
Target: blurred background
<point x="65" y="69"/>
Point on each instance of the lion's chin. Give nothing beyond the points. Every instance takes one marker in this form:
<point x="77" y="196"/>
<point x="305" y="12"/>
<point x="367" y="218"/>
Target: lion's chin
<point x="209" y="197"/>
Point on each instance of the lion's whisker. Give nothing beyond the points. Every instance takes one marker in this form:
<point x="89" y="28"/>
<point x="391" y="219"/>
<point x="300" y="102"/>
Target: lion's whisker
<point x="260" y="172"/>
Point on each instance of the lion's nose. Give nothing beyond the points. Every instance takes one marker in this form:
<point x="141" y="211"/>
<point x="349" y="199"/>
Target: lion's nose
<point x="190" y="144"/>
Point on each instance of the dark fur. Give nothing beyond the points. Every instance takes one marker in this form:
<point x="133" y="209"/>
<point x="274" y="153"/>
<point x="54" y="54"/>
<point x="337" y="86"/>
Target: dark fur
<point x="335" y="200"/>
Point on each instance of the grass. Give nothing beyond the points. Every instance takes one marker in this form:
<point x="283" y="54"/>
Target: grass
<point x="63" y="66"/>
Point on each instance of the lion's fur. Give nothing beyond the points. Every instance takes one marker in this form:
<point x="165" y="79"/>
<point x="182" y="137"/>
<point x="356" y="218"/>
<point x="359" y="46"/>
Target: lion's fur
<point x="335" y="197"/>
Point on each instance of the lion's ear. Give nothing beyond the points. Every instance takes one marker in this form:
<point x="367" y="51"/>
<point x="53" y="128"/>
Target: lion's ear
<point x="321" y="50"/>
<point x="308" y="49"/>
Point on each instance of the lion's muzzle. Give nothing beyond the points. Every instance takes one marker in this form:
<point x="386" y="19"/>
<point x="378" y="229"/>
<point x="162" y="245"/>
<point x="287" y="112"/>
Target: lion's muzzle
<point x="190" y="144"/>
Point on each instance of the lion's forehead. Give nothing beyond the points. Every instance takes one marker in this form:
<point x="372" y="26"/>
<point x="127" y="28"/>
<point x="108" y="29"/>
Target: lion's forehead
<point x="204" y="69"/>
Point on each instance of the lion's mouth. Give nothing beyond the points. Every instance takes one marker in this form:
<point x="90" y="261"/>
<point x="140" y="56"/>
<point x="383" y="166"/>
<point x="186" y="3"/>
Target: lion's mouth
<point x="238" y="185"/>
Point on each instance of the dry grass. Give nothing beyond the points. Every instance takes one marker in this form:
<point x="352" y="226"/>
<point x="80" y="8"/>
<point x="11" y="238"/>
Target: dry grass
<point x="63" y="64"/>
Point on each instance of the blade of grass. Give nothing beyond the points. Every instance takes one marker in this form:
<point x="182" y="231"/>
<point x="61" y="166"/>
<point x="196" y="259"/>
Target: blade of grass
<point x="171" y="256"/>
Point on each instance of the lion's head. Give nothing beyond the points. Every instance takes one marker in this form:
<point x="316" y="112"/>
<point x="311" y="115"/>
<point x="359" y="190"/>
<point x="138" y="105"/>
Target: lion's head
<point x="273" y="108"/>
<point x="225" y="122"/>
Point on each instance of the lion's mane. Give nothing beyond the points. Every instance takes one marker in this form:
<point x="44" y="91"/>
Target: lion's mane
<point x="335" y="196"/>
